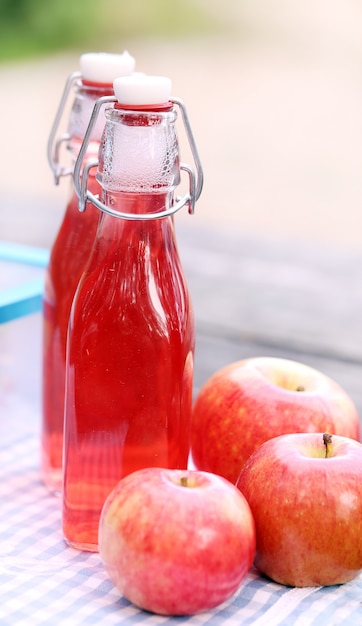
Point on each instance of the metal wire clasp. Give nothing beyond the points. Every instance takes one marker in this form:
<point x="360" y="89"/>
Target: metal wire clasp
<point x="53" y="149"/>
<point x="81" y="174"/>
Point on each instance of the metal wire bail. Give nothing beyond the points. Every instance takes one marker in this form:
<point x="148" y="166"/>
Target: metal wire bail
<point x="81" y="174"/>
<point x="53" y="149"/>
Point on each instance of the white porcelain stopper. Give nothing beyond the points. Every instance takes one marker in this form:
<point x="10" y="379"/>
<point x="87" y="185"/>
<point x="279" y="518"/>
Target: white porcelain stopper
<point x="103" y="67"/>
<point x="142" y="89"/>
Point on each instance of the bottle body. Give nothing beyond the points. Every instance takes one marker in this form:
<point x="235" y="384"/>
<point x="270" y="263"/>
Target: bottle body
<point x="129" y="371"/>
<point x="131" y="341"/>
<point x="69" y="254"/>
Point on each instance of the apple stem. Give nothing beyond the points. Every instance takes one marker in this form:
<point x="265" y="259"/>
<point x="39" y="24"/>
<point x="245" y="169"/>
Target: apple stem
<point x="300" y="388"/>
<point x="184" y="481"/>
<point x="327" y="440"/>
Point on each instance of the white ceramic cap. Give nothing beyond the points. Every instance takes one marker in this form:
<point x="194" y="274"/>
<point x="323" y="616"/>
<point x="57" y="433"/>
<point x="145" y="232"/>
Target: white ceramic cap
<point x="142" y="89"/>
<point x="102" y="67"/>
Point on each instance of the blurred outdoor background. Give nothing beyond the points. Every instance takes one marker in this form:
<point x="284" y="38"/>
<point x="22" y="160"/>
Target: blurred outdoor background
<point x="273" y="90"/>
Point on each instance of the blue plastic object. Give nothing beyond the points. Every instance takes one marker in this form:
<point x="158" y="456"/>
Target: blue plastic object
<point x="25" y="298"/>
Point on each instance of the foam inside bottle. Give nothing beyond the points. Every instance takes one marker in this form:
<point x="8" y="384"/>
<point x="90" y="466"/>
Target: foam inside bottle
<point x="140" y="148"/>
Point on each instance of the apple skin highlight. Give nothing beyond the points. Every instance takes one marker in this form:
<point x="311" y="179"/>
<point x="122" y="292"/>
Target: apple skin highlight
<point x="307" y="508"/>
<point x="176" y="542"/>
<point x="250" y="401"/>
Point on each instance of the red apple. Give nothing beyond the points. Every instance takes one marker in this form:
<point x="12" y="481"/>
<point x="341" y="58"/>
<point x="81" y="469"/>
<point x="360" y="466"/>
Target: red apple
<point x="251" y="401"/>
<point x="176" y="542"/>
<point x="305" y="492"/>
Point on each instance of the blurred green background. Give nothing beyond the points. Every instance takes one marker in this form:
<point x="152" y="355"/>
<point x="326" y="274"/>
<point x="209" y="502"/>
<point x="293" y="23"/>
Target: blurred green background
<point x="273" y="89"/>
<point x="29" y="28"/>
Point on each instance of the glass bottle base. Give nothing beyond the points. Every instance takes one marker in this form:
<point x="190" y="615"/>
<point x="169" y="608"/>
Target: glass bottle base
<point x="84" y="547"/>
<point x="53" y="480"/>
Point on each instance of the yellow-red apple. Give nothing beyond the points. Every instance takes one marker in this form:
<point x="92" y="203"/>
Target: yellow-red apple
<point x="176" y="542"/>
<point x="305" y="492"/>
<point x="251" y="401"/>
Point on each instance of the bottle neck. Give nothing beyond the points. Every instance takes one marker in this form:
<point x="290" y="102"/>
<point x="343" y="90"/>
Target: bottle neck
<point x="137" y="203"/>
<point x="139" y="158"/>
<point x="86" y="94"/>
<point x="118" y="237"/>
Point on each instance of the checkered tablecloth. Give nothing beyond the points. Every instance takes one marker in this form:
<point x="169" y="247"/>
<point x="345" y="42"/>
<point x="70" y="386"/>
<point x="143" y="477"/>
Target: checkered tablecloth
<point x="44" y="582"/>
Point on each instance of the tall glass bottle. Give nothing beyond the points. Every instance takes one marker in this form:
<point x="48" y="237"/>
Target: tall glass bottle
<point x="131" y="335"/>
<point x="71" y="248"/>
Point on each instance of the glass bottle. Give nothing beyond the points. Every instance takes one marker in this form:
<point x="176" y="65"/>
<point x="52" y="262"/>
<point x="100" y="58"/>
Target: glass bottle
<point x="71" y="247"/>
<point x="131" y="334"/>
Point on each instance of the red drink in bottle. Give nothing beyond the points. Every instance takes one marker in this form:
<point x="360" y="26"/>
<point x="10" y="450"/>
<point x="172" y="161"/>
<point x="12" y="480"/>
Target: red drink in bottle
<point x="131" y="335"/>
<point x="69" y="254"/>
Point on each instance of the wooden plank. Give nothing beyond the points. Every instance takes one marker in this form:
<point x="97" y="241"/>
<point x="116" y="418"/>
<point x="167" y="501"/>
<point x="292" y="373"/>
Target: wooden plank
<point x="214" y="351"/>
<point x="257" y="296"/>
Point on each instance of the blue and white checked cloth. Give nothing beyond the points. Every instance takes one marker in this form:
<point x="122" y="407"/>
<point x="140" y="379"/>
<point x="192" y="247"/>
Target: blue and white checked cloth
<point x="44" y="582"/>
